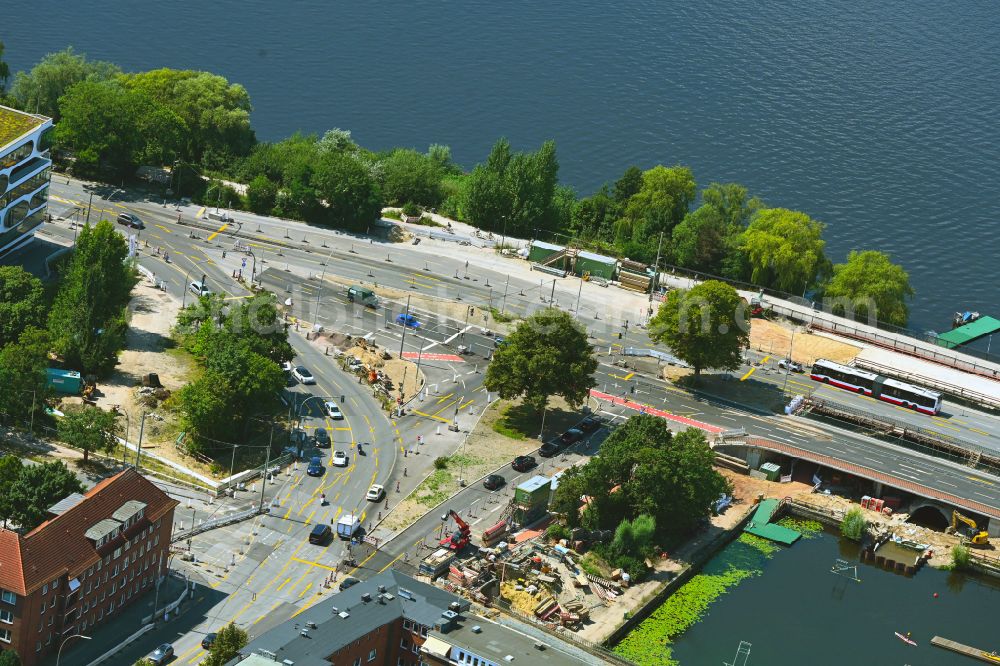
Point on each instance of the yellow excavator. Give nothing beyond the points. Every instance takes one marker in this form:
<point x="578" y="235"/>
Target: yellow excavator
<point x="975" y="536"/>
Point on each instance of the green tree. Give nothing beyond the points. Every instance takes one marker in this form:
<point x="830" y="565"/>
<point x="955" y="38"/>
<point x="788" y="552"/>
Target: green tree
<point x="228" y="642"/>
<point x="4" y="72"/>
<point x="262" y="194"/>
<point x="513" y="188"/>
<point x="22" y="302"/>
<point x="88" y="318"/>
<point x="107" y="126"/>
<point x="411" y="177"/>
<point x="441" y="155"/>
<point x="785" y="249"/>
<point x="39" y="90"/>
<point x="547" y="354"/>
<point x="89" y="429"/>
<point x="10" y="473"/>
<point x="350" y="192"/>
<point x="566" y="500"/>
<point x="23" y="376"/>
<point x="707" y="326"/>
<point x="593" y="217"/>
<point x="9" y="658"/>
<point x="39" y="487"/>
<point x="869" y="285"/>
<point x="660" y="204"/>
<point x="732" y="202"/>
<point x="215" y="112"/>
<point x="702" y="240"/>
<point x="628" y="185"/>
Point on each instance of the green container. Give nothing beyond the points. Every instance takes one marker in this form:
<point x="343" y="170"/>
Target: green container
<point x="63" y="381"/>
<point x="534" y="492"/>
<point x="540" y="251"/>
<point x="771" y="471"/>
<point x="595" y="264"/>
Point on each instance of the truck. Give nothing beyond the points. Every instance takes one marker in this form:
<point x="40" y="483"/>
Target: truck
<point x="348" y="526"/>
<point x="363" y="295"/>
<point x="437" y="562"/>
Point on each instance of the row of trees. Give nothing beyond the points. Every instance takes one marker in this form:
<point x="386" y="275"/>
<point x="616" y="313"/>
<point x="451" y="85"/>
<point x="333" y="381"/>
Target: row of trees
<point x="112" y="121"/>
<point x="239" y="349"/>
<point x="81" y="319"/>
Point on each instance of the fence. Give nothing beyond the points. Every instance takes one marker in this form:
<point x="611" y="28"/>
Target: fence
<point x="222" y="521"/>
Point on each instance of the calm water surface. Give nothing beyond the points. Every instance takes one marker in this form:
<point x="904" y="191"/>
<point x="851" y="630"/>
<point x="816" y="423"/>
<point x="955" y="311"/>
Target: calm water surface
<point x="797" y="612"/>
<point x="877" y="118"/>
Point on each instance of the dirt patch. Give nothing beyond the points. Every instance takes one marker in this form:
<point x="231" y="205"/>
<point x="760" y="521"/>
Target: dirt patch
<point x="775" y="338"/>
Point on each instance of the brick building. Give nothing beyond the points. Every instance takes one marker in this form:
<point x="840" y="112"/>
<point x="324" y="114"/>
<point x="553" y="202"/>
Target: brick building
<point x="96" y="554"/>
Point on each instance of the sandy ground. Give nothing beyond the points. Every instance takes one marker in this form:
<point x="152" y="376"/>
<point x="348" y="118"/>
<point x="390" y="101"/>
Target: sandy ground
<point x="152" y="313"/>
<point x="775" y="338"/>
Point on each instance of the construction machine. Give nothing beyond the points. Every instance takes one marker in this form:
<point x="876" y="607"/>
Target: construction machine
<point x="459" y="539"/>
<point x="974" y="535"/>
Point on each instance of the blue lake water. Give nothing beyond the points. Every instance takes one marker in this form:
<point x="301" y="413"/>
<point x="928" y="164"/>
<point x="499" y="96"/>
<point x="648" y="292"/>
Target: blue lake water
<point x="880" y="119"/>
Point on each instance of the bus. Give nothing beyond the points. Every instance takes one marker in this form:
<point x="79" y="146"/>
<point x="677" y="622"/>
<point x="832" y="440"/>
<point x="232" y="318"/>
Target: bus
<point x="874" y="385"/>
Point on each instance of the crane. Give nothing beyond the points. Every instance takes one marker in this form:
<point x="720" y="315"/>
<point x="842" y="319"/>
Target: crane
<point x="975" y="536"/>
<point x="459" y="539"/>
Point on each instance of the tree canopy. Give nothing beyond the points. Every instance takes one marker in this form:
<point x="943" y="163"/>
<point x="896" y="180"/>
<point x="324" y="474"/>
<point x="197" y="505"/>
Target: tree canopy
<point x="4" y="72"/>
<point x="869" y="285"/>
<point x="644" y="470"/>
<point x="228" y="642"/>
<point x="708" y="326"/>
<point x="22" y="302"/>
<point x="88" y="318"/>
<point x="33" y="489"/>
<point x="23" y="378"/>
<point x="89" y="429"/>
<point x="785" y="250"/>
<point x="39" y="90"/>
<point x="410" y="177"/>
<point x="547" y="354"/>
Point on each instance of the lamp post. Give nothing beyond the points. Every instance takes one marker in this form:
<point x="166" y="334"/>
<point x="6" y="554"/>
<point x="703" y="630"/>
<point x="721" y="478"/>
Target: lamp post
<point x="59" y="653"/>
<point x="788" y="369"/>
<point x="504" y="239"/>
<point x="267" y="463"/>
<point x="90" y="204"/>
<point x="138" y="446"/>
<point x="319" y="292"/>
<point x="406" y="324"/>
<point x="128" y="423"/>
<point x="541" y="433"/>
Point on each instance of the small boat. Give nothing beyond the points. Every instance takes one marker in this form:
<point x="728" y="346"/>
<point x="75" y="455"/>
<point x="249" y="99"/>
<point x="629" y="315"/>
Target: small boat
<point x="993" y="656"/>
<point x="905" y="638"/>
<point x="963" y="318"/>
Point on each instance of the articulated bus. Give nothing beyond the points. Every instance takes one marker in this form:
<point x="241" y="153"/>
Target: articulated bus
<point x="876" y="386"/>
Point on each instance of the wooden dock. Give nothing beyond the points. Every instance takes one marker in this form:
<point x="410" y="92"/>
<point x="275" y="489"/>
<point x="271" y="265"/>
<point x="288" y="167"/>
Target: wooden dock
<point x="972" y="652"/>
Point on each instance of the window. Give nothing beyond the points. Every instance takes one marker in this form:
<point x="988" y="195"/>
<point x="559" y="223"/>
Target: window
<point x="8" y="597"/>
<point x="111" y="606"/>
<point x="118" y="552"/>
<point x="357" y="662"/>
<point x="408" y="624"/>
<point x="6" y="616"/>
<point x="371" y="656"/>
<point x="38" y="646"/>
<point x="405" y="644"/>
<point x="42" y="610"/>
<point x="5" y="635"/>
<point x="45" y="588"/>
<point x="423" y="631"/>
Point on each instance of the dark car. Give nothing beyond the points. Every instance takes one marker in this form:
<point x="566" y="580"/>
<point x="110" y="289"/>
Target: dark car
<point x="499" y="341"/>
<point x="322" y="438"/>
<point x="549" y="449"/>
<point x="590" y="424"/>
<point x="162" y="654"/>
<point x="131" y="220"/>
<point x="315" y="466"/>
<point x="493" y="481"/>
<point x="320" y="534"/>
<point x="208" y="641"/>
<point x="348" y="582"/>
<point x="571" y="436"/>
<point x="523" y="463"/>
<point x="407" y="320"/>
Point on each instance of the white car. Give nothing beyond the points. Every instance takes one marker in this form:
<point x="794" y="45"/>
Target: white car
<point x="789" y="364"/>
<point x="375" y="493"/>
<point x="339" y="459"/>
<point x="199" y="289"/>
<point x="302" y="374"/>
<point x="333" y="411"/>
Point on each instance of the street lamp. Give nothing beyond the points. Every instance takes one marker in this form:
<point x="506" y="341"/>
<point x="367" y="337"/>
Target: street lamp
<point x="59" y="653"/>
<point x="128" y="423"/>
<point x="504" y="239"/>
<point x="541" y="433"/>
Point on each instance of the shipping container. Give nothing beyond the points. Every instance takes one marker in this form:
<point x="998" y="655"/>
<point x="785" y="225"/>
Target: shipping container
<point x="63" y="381"/>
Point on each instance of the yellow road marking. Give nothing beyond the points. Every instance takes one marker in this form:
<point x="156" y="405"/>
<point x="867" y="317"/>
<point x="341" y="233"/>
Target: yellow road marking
<point x="314" y="564"/>
<point x="443" y="398"/>
<point x="978" y="480"/>
<point x="747" y="376"/>
<point x="201" y="211"/>
<point x="431" y="416"/>
<point x="979" y="431"/>
<point x="220" y="230"/>
<point x="304" y="590"/>
<point x="278" y="589"/>
<point x="628" y="376"/>
<point x="160" y="226"/>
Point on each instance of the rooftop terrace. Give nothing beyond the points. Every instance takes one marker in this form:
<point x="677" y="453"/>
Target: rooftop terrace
<point x="14" y="124"/>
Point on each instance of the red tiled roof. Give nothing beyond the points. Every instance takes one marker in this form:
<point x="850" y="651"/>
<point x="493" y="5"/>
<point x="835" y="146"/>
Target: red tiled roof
<point x="58" y="545"/>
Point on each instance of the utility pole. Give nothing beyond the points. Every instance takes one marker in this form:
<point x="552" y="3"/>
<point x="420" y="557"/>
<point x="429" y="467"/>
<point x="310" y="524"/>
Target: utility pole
<point x="138" y="447"/>
<point x="656" y="269"/>
<point x="579" y="293"/>
<point x="89" y="205"/>
<point x="503" y="305"/>
<point x="552" y="296"/>
<point x="406" y="324"/>
<point x="267" y="463"/>
<point x="322" y="279"/>
<point x="788" y="370"/>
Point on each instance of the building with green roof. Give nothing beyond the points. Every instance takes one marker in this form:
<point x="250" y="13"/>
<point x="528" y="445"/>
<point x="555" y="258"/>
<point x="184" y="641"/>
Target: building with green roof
<point x="25" y="168"/>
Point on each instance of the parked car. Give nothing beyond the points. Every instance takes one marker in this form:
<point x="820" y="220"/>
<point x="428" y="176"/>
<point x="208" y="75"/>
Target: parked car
<point x="131" y="220"/>
<point x="571" y="436"/>
<point x="350" y="581"/>
<point x="315" y="466"/>
<point x="301" y="373"/>
<point x="407" y="320"/>
<point x="322" y="438"/>
<point x="339" y="459"/>
<point x="289" y="377"/>
<point x="789" y="364"/>
<point x="199" y="289"/>
<point x="590" y="424"/>
<point x="320" y="534"/>
<point x="375" y="493"/>
<point x="208" y="641"/>
<point x="162" y="654"/>
<point x="333" y="411"/>
<point x="493" y="482"/>
<point x="354" y="363"/>
<point x="523" y="463"/>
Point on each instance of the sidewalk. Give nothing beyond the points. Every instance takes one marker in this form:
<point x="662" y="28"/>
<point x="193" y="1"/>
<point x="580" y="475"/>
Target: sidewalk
<point x="110" y="634"/>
